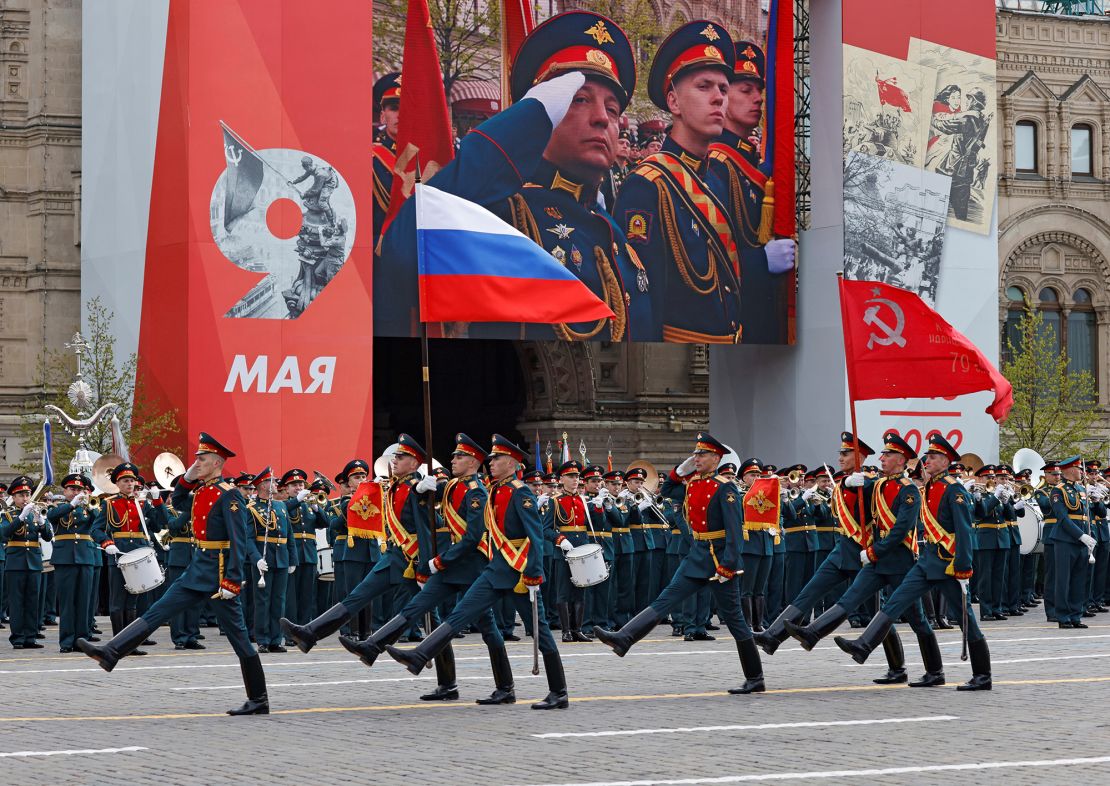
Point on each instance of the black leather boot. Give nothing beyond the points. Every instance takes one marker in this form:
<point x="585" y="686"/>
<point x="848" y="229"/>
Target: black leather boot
<point x="980" y="666"/>
<point x="306" y="636"/>
<point x="752" y="666"/>
<point x="776" y="634"/>
<point x="564" y="621"/>
<point x="622" y="640"/>
<point x="447" y="688"/>
<point x="556" y="698"/>
<point x="579" y="612"/>
<point x="942" y="614"/>
<point x="122" y="644"/>
<point x="934" y="664"/>
<point x="505" y="691"/>
<point x="128" y="617"/>
<point x="116" y="618"/>
<point x="369" y="650"/>
<point x="417" y="658"/>
<point x="759" y="607"/>
<point x="862" y="647"/>
<point x="254" y="680"/>
<point x="895" y="660"/>
<point x="809" y="635"/>
<point x="746" y="610"/>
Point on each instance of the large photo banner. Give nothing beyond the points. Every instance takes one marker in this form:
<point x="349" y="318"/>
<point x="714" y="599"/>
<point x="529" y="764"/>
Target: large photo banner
<point x="255" y="317"/>
<point x="920" y="175"/>
<point x="675" y="212"/>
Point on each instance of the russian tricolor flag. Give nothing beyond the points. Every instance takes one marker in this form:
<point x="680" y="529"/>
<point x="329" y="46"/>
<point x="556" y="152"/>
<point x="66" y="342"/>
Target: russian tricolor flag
<point x="476" y="268"/>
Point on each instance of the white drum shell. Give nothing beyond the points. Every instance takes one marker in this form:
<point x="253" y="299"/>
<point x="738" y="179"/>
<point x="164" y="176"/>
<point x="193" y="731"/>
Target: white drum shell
<point x="140" y="569"/>
<point x="587" y="565"/>
<point x="325" y="563"/>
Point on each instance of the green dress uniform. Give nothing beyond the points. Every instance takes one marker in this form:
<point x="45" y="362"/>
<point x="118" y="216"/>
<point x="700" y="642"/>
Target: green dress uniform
<point x="623" y="576"/>
<point x="715" y="513"/>
<point x="946" y="559"/>
<point x="801" y="548"/>
<point x="185" y="625"/>
<point x="514" y="544"/>
<point x="271" y="539"/>
<point x="301" y="594"/>
<point x="643" y="544"/>
<point x="22" y="572"/>
<point x="1043" y="498"/>
<point x="597" y="596"/>
<point x="826" y="528"/>
<point x="119" y="523"/>
<point x="759" y="544"/>
<point x="993" y="545"/>
<point x="1011" y="594"/>
<point x="73" y="566"/>
<point x="1071" y="508"/>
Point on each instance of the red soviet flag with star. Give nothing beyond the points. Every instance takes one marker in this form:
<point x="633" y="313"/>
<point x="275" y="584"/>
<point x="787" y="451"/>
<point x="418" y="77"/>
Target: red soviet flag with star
<point x="896" y="346"/>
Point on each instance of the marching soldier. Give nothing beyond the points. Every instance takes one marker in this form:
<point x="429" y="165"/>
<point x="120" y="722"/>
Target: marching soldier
<point x="668" y="208"/>
<point x="23" y="563"/>
<point x="356" y="538"/>
<point x="72" y="559"/>
<point x="571" y="530"/>
<point x="272" y="550"/>
<point x="219" y="523"/>
<point x="453" y="571"/>
<point x="118" y="529"/>
<point x="946" y="563"/>
<point x="743" y="185"/>
<point x="1072" y="543"/>
<point x="185" y="625"/>
<point x="714" y="512"/>
<point x="514" y="545"/>
<point x="825" y="525"/>
<point x="888" y="551"/>
<point x="539" y="164"/>
<point x="406" y="537"/>
<point x="760" y="538"/>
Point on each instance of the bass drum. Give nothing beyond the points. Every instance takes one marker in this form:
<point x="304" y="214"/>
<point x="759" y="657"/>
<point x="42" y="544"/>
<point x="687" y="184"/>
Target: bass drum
<point x="1031" y="529"/>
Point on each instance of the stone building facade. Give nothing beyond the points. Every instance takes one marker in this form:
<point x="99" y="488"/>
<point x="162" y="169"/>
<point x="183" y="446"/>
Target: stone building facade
<point x="1054" y="182"/>
<point x="40" y="187"/>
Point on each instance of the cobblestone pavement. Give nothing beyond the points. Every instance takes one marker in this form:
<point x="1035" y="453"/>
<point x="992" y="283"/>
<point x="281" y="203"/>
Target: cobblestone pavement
<point x="660" y="715"/>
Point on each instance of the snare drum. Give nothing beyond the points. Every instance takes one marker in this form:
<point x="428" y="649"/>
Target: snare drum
<point x="140" y="569"/>
<point x="47" y="549"/>
<point x="325" y="560"/>
<point x="587" y="565"/>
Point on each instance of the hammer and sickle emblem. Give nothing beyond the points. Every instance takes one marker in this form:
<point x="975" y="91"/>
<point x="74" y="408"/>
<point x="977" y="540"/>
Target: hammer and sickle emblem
<point x="233" y="155"/>
<point x="890" y="335"/>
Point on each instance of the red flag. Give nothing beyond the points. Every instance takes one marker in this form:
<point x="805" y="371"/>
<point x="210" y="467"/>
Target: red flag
<point x="783" y="172"/>
<point x="516" y="24"/>
<point x="890" y="93"/>
<point x="424" y="129"/>
<point x="897" y="347"/>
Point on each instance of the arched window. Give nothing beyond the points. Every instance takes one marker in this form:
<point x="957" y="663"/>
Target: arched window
<point x="1048" y="303"/>
<point x="1025" y="147"/>
<point x="1082" y="333"/>
<point x="1015" y="307"/>
<point x="1081" y="136"/>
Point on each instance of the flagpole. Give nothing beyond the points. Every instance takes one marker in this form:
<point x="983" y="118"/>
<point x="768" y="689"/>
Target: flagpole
<point x="861" y="512"/>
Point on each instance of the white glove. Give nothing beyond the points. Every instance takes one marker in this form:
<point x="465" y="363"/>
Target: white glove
<point x="598" y="502"/>
<point x="863" y="558"/>
<point x="432" y="569"/>
<point x="28" y="512"/>
<point x="1000" y="494"/>
<point x="603" y="493"/>
<point x="644" y="505"/>
<point x="556" y="94"/>
<point x="543" y="499"/>
<point x="1019" y="505"/>
<point x="112" y="550"/>
<point x="426" y="484"/>
<point x="262" y="565"/>
<point x="855" y="480"/>
<point x="773" y="532"/>
<point x="532" y="590"/>
<point x="968" y="483"/>
<point x="80" y="499"/>
<point x="191" y="472"/>
<point x="964" y="583"/>
<point x="302" y="494"/>
<point x="625" y="494"/>
<point x="808" y="493"/>
<point x="565" y="545"/>
<point x="780" y="255"/>
<point x="226" y="594"/>
<point x="686" y="467"/>
<point x="292" y="568"/>
<point x="1088" y="541"/>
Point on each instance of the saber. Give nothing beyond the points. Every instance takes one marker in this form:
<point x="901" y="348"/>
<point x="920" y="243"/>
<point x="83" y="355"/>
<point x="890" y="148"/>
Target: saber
<point x="536" y="631"/>
<point x="266" y="529"/>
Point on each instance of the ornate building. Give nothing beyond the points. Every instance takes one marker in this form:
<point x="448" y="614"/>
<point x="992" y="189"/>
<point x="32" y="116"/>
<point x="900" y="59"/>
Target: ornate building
<point x="40" y="186"/>
<point x="1054" y="184"/>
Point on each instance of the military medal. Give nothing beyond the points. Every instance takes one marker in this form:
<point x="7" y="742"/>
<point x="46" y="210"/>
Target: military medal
<point x="576" y="257"/>
<point x="561" y="231"/>
<point x="641" y="280"/>
<point x="560" y="254"/>
<point x="694" y="227"/>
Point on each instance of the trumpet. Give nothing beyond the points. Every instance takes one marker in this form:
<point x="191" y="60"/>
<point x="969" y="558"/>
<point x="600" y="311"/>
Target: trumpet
<point x="1025" y="492"/>
<point x="795" y="476"/>
<point x="319" y="498"/>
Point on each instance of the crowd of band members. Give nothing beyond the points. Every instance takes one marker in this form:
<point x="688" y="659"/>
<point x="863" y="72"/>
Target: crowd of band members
<point x="643" y="536"/>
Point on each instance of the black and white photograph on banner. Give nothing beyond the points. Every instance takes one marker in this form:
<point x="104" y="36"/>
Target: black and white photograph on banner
<point x="894" y="221"/>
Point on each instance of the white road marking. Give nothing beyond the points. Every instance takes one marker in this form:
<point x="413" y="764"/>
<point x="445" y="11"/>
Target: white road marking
<point x="821" y="774"/>
<point x="754" y="727"/>
<point x="85" y="752"/>
<point x="995" y="662"/>
<point x="350" y="682"/>
<point x="1075" y="639"/>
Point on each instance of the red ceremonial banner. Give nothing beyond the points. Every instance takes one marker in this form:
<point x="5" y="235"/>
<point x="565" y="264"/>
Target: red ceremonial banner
<point x="256" y="317"/>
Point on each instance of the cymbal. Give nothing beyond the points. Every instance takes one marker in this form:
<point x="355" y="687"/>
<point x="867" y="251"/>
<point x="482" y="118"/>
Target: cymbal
<point x="102" y="471"/>
<point x="167" y="466"/>
<point x="651" y="482"/>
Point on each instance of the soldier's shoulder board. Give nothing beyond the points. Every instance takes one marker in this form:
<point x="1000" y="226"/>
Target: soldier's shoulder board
<point x="721" y="479"/>
<point x="906" y="481"/>
<point x="226" y="486"/>
<point x="473" y="484"/>
<point x="950" y="480"/>
<point x="518" y="483"/>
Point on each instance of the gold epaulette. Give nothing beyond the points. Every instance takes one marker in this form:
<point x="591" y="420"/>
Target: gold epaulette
<point x="906" y="481"/>
<point x="717" y="155"/>
<point x="517" y="483"/>
<point x="225" y="485"/>
<point x="721" y="479"/>
<point x="648" y="172"/>
<point x="950" y="480"/>
<point x="472" y="484"/>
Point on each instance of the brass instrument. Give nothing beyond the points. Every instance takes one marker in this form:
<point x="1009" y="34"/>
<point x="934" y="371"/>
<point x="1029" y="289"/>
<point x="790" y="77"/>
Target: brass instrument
<point x="1025" y="491"/>
<point x="319" y="498"/>
<point x="795" y="476"/>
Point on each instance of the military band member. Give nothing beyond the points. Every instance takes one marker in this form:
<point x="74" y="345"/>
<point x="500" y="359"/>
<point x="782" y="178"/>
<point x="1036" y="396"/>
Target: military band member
<point x="219" y="523"/>
<point x="888" y="550"/>
<point x="406" y="538"/>
<point x="945" y="563"/>
<point x="118" y="529"/>
<point x="356" y="539"/>
<point x="453" y="571"/>
<point x="619" y="539"/>
<point x="1012" y="509"/>
<point x="714" y="511"/>
<point x="1073" y="543"/>
<point x="744" y="187"/>
<point x="300" y="601"/>
<point x="1100" y="531"/>
<point x="643" y="542"/>
<point x="72" y="559"/>
<point x="800" y="536"/>
<point x="669" y="210"/>
<point x="992" y="543"/>
<point x="538" y="165"/>
<point x="185" y="625"/>
<point x="513" y="543"/>
<point x="598" y="504"/>
<point x="549" y="589"/>
<point x="21" y="532"/>
<point x="760" y="538"/>
<point x="624" y="545"/>
<point x="571" y="530"/>
<point x="1043" y="497"/>
<point x="272" y="550"/>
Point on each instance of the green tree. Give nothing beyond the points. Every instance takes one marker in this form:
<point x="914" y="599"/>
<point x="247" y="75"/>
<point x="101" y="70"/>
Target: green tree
<point x="109" y="382"/>
<point x="639" y="21"/>
<point x="1054" y="408"/>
